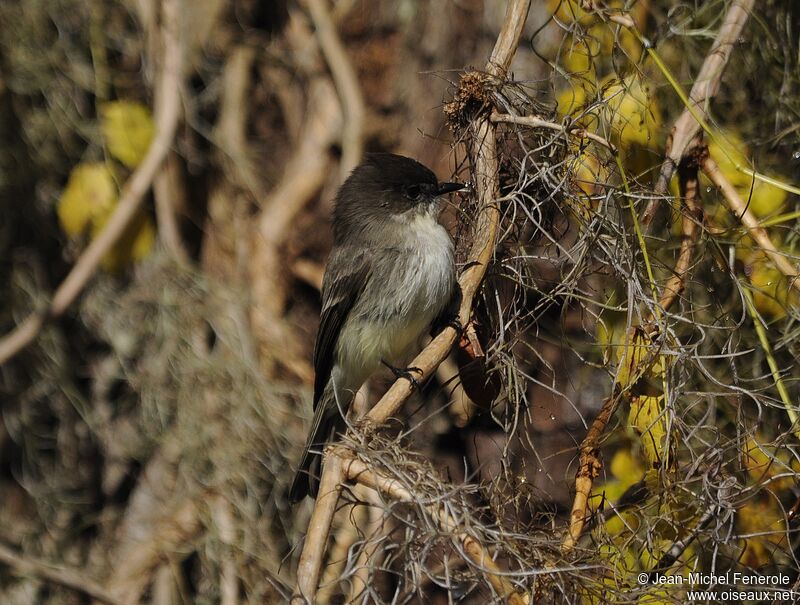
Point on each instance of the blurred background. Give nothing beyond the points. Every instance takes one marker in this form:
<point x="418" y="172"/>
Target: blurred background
<point x="150" y="427"/>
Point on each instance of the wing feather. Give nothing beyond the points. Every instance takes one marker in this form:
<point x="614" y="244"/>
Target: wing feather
<point x="345" y="278"/>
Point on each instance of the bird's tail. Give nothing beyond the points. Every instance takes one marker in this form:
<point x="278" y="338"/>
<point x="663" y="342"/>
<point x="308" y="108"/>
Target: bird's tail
<point x="327" y="422"/>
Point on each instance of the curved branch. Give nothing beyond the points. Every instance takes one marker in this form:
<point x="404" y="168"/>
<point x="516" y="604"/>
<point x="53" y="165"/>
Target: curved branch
<point x="69" y="578"/>
<point x="131" y="196"/>
<point x="347" y="86"/>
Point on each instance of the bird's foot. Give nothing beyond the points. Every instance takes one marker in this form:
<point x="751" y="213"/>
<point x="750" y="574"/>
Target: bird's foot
<point x="455" y="323"/>
<point x="448" y="321"/>
<point x="406" y="373"/>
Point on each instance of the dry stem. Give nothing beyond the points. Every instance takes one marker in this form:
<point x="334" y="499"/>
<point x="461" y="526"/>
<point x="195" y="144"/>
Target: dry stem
<point x="69" y="578"/>
<point x="537" y="122"/>
<point x="744" y="214"/>
<point x="705" y="87"/>
<point x="130" y="199"/>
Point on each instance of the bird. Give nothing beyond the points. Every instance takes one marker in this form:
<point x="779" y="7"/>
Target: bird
<point x="389" y="278"/>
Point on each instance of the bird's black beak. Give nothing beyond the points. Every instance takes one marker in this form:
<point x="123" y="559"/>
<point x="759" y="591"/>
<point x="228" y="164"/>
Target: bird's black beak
<point x="444" y="188"/>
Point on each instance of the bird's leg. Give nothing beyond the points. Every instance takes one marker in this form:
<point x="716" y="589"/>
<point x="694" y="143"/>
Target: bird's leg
<point x="404" y="373"/>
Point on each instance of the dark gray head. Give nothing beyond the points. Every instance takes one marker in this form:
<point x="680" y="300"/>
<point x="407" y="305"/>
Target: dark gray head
<point x="384" y="186"/>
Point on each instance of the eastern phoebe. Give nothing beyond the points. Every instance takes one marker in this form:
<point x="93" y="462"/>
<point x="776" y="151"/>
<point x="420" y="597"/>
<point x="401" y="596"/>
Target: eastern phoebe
<point x="389" y="277"/>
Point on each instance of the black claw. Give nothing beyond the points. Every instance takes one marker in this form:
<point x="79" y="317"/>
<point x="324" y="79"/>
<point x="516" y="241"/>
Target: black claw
<point x="405" y="373"/>
<point x="455" y="323"/>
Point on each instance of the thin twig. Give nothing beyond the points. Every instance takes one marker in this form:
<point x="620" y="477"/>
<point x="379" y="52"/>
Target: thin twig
<point x="69" y="578"/>
<point x="130" y="200"/>
<point x="705" y="87"/>
<point x="740" y="208"/>
<point x="537" y="122"/>
<point x="357" y="470"/>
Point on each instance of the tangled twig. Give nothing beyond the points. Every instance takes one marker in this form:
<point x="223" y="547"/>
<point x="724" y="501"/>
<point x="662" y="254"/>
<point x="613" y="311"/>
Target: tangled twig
<point x="740" y="208"/>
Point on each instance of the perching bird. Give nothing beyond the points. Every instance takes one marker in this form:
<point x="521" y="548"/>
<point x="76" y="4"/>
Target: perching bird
<point x="390" y="276"/>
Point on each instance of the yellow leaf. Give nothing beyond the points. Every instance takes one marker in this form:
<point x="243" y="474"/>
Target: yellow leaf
<point x="728" y="150"/>
<point x="136" y="242"/>
<point x="90" y="192"/>
<point x="632" y="357"/>
<point x="626" y="469"/>
<point x="589" y="176"/>
<point x="631" y="112"/>
<point x="763" y="464"/>
<point x="570" y="99"/>
<point x="128" y="130"/>
<point x="771" y="288"/>
<point x="765" y="518"/>
<point x="765" y="199"/>
<point x="648" y="419"/>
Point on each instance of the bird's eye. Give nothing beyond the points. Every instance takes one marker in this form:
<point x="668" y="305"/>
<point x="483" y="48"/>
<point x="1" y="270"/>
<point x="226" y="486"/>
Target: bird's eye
<point x="413" y="192"/>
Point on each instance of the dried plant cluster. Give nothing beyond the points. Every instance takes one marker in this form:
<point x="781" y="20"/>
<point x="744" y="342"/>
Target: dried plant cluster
<point x="622" y="399"/>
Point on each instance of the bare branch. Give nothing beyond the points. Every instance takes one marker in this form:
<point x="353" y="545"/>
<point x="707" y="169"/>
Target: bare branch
<point x="347" y="86"/>
<point x="69" y="578"/>
<point x="705" y="87"/>
<point x="131" y="196"/>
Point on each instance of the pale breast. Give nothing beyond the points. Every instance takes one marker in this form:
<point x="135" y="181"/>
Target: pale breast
<point x="407" y="292"/>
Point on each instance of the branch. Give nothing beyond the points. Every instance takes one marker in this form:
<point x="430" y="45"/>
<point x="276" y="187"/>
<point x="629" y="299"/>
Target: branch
<point x="69" y="578"/>
<point x="588" y="468"/>
<point x="347" y="86"/>
<point x="590" y="463"/>
<point x="705" y="87"/>
<point x="740" y="208"/>
<point x="356" y="470"/>
<point x="131" y="196"/>
<point x="310" y="566"/>
<point x="487" y="185"/>
<point x="537" y="122"/>
<point x="692" y="216"/>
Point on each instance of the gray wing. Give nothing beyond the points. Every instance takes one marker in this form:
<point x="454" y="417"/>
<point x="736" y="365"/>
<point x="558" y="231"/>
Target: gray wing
<point x="345" y="278"/>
